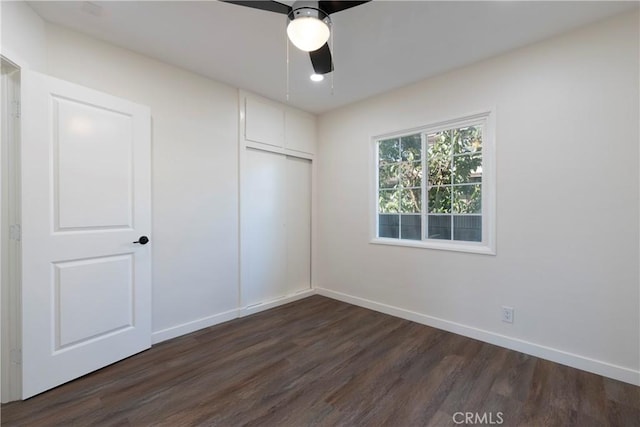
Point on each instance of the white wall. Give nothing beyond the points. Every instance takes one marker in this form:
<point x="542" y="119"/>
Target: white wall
<point x="195" y="176"/>
<point x="567" y="203"/>
<point x="22" y="35"/>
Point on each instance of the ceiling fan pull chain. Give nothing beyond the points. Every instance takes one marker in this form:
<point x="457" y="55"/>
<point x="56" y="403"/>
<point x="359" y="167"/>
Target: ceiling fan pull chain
<point x="333" y="34"/>
<point x="286" y="40"/>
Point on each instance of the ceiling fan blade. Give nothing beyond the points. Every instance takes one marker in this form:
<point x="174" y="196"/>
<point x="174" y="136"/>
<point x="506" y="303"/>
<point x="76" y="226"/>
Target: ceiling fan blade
<point x="321" y="60"/>
<point x="330" y="7"/>
<point x="270" y="6"/>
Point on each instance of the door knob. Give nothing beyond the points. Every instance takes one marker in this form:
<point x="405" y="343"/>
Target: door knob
<point x="143" y="240"/>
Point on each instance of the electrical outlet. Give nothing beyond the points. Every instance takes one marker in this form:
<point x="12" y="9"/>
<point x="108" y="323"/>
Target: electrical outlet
<point x="507" y="314"/>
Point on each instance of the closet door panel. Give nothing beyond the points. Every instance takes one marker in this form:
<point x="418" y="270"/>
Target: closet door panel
<point x="264" y="231"/>
<point x="298" y="224"/>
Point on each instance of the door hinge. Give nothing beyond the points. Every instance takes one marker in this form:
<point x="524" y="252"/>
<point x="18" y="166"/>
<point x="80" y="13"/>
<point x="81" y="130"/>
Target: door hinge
<point x="16" y="356"/>
<point x="15" y="232"/>
<point x="16" y="109"/>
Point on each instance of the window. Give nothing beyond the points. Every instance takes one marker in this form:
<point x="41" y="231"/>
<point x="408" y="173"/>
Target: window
<point x="434" y="186"/>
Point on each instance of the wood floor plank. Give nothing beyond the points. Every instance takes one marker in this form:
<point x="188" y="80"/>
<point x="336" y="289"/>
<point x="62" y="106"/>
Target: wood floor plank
<point x="514" y="379"/>
<point x="623" y="393"/>
<point x="592" y="401"/>
<point x="320" y="362"/>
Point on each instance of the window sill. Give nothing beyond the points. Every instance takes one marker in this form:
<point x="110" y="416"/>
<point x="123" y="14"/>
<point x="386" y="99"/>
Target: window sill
<point x="468" y="247"/>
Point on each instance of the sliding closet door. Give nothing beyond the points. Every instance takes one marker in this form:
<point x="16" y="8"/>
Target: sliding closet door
<point x="275" y="226"/>
<point x="298" y="224"/>
<point x="264" y="233"/>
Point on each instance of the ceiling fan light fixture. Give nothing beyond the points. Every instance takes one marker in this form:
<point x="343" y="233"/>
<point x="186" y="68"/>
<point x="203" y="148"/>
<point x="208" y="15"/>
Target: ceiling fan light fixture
<point x="308" y="29"/>
<point x="317" y="77"/>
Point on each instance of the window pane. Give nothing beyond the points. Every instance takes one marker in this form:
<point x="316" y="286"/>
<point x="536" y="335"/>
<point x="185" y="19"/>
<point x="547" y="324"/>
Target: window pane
<point x="439" y="170"/>
<point x="467" y="139"/>
<point x="411" y="174"/>
<point x="411" y="201"/>
<point x="467" y="168"/>
<point x="389" y="201"/>
<point x="411" y="227"/>
<point x="388" y="226"/>
<point x="440" y="200"/>
<point x="467" y="198"/>
<point x="439" y="158"/>
<point x="389" y="150"/>
<point x="388" y="175"/>
<point x="439" y="143"/>
<point x="411" y="147"/>
<point x="467" y="228"/>
<point x="439" y="227"/>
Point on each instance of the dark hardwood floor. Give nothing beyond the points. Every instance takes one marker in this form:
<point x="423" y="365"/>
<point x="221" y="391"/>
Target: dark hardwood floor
<point x="322" y="362"/>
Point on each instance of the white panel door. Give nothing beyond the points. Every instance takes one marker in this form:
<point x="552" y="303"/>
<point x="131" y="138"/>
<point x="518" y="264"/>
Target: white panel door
<point x="86" y="286"/>
<point x="263" y="227"/>
<point x="298" y="189"/>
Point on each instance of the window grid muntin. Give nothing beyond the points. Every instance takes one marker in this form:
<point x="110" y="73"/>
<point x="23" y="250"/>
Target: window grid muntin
<point x="399" y="189"/>
<point x="450" y="127"/>
<point x="451" y="185"/>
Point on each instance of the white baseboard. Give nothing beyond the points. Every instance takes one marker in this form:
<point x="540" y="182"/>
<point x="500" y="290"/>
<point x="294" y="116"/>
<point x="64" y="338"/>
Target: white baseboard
<point x="252" y="309"/>
<point x="559" y="356"/>
<point x="205" y="322"/>
<point x="555" y="355"/>
<point x="187" y="328"/>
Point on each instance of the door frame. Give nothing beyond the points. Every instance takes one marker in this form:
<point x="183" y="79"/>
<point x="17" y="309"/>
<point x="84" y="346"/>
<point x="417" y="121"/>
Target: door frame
<point x="10" y="247"/>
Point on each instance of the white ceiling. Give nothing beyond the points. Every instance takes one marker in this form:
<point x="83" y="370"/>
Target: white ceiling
<point x="378" y="46"/>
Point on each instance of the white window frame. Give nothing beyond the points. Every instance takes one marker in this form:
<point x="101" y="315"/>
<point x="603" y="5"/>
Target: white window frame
<point x="488" y="244"/>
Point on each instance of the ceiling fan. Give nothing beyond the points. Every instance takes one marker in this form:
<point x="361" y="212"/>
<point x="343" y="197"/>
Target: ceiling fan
<point x="309" y="25"/>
